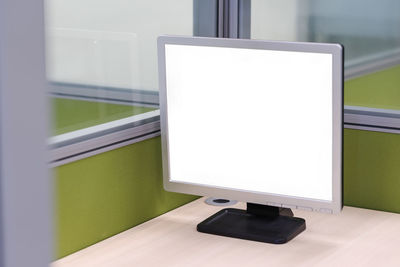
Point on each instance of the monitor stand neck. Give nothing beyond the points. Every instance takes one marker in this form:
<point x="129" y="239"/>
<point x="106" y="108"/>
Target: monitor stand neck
<point x="267" y="211"/>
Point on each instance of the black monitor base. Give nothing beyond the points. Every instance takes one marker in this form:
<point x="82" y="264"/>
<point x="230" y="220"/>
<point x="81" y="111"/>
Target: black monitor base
<point x="258" y="223"/>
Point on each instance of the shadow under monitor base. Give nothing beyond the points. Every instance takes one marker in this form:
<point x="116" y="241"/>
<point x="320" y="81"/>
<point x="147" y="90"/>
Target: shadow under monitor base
<point x="276" y="228"/>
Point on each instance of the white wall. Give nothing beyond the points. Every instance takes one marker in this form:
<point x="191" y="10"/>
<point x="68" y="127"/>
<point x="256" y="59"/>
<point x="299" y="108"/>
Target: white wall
<point x="111" y="42"/>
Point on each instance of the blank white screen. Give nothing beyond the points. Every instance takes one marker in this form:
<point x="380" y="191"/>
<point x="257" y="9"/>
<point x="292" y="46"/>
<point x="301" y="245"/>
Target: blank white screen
<point x="249" y="119"/>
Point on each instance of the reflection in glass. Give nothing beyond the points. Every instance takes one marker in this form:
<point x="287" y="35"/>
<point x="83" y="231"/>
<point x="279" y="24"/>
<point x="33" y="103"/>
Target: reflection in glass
<point x="105" y="51"/>
<point x="366" y="28"/>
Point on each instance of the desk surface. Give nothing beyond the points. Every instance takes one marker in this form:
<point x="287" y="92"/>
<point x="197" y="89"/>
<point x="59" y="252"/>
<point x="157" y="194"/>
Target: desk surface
<point x="355" y="237"/>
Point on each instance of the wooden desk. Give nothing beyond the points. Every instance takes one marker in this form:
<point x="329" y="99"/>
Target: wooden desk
<point x="356" y="237"/>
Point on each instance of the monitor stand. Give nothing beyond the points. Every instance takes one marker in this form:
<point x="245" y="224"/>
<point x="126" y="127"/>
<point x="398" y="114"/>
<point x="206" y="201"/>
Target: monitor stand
<point x="258" y="223"/>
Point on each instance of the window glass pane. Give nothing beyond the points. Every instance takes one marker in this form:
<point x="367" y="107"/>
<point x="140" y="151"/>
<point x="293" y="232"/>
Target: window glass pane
<point x="102" y="56"/>
<point x="72" y="114"/>
<point x="368" y="29"/>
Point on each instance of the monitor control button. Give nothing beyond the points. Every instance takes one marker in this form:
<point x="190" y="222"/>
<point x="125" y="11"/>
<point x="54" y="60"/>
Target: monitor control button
<point x="323" y="210"/>
<point x="304" y="208"/>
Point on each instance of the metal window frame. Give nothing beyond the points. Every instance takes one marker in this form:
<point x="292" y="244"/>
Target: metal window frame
<point x="372" y="119"/>
<point x="97" y="139"/>
<point x="234" y="18"/>
<point x="124" y="96"/>
<point x="25" y="184"/>
<point x="205" y="18"/>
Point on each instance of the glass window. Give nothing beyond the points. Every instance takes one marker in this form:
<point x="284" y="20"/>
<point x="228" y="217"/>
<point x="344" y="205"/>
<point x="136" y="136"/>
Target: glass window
<point x="102" y="57"/>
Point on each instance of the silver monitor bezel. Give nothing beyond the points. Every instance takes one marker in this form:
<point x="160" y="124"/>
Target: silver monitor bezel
<point x="336" y="50"/>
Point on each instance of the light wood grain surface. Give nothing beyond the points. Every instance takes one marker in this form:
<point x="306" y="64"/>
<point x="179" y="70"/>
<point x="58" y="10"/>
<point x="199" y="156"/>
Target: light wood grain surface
<point x="356" y="237"/>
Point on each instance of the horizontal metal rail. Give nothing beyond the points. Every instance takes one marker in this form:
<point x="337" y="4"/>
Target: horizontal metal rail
<point x="104" y="94"/>
<point x="83" y="143"/>
<point x="372" y="119"/>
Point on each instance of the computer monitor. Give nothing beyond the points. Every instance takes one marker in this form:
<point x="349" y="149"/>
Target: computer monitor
<point x="254" y="121"/>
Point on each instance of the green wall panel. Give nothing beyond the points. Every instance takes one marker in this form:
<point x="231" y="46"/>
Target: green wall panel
<point x="105" y="194"/>
<point x="100" y="196"/>
<point x="376" y="90"/>
<point x="372" y="170"/>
